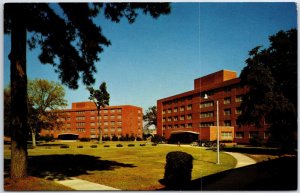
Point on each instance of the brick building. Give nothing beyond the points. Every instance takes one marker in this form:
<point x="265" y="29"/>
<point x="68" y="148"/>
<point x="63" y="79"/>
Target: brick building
<point x="192" y="113"/>
<point x="82" y="120"/>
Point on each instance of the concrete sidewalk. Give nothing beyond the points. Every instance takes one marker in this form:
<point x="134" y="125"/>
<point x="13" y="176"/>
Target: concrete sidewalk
<point x="78" y="184"/>
<point x="242" y="160"/>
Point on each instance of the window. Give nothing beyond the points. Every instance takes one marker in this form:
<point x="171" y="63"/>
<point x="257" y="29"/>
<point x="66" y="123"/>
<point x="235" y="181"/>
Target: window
<point x="267" y="134"/>
<point x="169" y="126"/>
<point x="175" y="118"/>
<point x="169" y="119"/>
<point x="164" y="127"/>
<point x="206" y="124"/>
<point x="93" y="130"/>
<point x="112" y="130"/>
<point x="92" y="118"/>
<point x="164" y="120"/>
<point x="175" y="126"/>
<point x="106" y="130"/>
<point x="175" y="109"/>
<point x="182" y="126"/>
<point x="119" y="123"/>
<point x="119" y="110"/>
<point x="253" y="134"/>
<point x="207" y="104"/>
<point x="189" y="117"/>
<point x="112" y="117"/>
<point x="80" y="124"/>
<point x="207" y="114"/>
<point x="105" y="111"/>
<point x="226" y="135"/>
<point x="239" y="98"/>
<point x="105" y="116"/>
<point x="227" y="111"/>
<point x="181" y="108"/>
<point x="92" y="112"/>
<point x="239" y="135"/>
<point x="189" y="125"/>
<point x="189" y="107"/>
<point x="227" y="100"/>
<point x="68" y="124"/>
<point x="80" y="112"/>
<point x="80" y="129"/>
<point x="92" y="124"/>
<point x="112" y="110"/>
<point x="105" y="123"/>
<point x="238" y="111"/>
<point x="80" y="118"/>
<point x="119" y="117"/>
<point x="227" y="123"/>
<point x="139" y="111"/>
<point x="119" y="129"/>
<point x="112" y="123"/>
<point x="169" y="110"/>
<point x="182" y="117"/>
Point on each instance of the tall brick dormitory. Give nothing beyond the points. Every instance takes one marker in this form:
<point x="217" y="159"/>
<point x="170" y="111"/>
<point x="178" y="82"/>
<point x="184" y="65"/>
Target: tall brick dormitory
<point x="193" y="113"/>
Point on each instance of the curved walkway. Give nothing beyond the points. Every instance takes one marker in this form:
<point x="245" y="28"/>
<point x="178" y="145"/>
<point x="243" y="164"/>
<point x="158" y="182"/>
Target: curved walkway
<point x="242" y="160"/>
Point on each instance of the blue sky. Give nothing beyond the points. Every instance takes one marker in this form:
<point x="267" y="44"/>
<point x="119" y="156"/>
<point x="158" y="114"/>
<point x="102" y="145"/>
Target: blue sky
<point x="156" y="58"/>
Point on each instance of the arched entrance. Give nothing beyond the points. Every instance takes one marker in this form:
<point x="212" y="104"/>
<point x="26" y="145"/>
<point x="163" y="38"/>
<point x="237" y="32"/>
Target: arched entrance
<point x="68" y="136"/>
<point x="183" y="136"/>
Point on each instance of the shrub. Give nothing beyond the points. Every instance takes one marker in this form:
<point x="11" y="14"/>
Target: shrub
<point x="142" y="144"/>
<point x="84" y="139"/>
<point x="94" y="146"/>
<point x="130" y="145"/>
<point x="46" y="138"/>
<point x="106" y="145"/>
<point x="154" y="144"/>
<point x="79" y="146"/>
<point x="139" y="139"/>
<point x="64" y="146"/>
<point x="119" y="145"/>
<point x="178" y="169"/>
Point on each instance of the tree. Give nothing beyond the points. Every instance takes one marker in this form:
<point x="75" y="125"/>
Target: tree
<point x="44" y="95"/>
<point x="271" y="79"/>
<point x="101" y="99"/>
<point x="69" y="41"/>
<point x="7" y="111"/>
<point x="150" y="117"/>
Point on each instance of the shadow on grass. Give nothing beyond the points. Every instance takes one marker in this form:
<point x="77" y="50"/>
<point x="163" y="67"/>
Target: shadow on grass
<point x="277" y="174"/>
<point x="257" y="150"/>
<point x="62" y="167"/>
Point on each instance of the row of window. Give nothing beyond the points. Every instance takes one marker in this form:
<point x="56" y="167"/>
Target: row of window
<point x="189" y="125"/>
<point x="201" y="105"/>
<point x="80" y="124"/>
<point x="202" y="115"/>
<point x="251" y="135"/>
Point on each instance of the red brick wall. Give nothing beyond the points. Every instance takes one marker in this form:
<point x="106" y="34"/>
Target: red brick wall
<point x="223" y="87"/>
<point x="82" y="120"/>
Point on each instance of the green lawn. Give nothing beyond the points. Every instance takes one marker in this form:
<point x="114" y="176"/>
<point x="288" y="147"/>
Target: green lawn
<point x="125" y="168"/>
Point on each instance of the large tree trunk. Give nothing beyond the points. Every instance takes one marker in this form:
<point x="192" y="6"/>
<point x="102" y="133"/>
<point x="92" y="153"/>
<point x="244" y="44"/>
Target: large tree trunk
<point x="18" y="78"/>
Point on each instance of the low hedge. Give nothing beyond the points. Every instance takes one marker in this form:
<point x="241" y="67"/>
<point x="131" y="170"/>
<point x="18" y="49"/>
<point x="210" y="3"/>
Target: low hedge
<point x="94" y="146"/>
<point x="64" y="146"/>
<point x="131" y="145"/>
<point x="119" y="145"/>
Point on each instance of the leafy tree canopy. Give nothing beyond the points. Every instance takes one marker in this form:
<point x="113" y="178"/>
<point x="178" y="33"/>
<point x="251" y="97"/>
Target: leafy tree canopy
<point x="271" y="79"/>
<point x="71" y="41"/>
<point x="150" y="116"/>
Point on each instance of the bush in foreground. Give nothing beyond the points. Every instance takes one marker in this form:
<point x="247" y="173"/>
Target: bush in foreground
<point x="178" y="169"/>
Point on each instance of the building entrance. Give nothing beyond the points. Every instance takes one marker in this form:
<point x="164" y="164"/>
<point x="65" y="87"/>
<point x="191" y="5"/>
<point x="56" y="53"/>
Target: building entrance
<point x="184" y="137"/>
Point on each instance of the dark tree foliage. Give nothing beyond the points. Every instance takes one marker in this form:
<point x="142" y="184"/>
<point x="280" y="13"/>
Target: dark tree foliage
<point x="150" y="116"/>
<point x="69" y="40"/>
<point x="271" y="79"/>
<point x="101" y="99"/>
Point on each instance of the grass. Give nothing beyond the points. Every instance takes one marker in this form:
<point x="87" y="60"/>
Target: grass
<point x="125" y="168"/>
